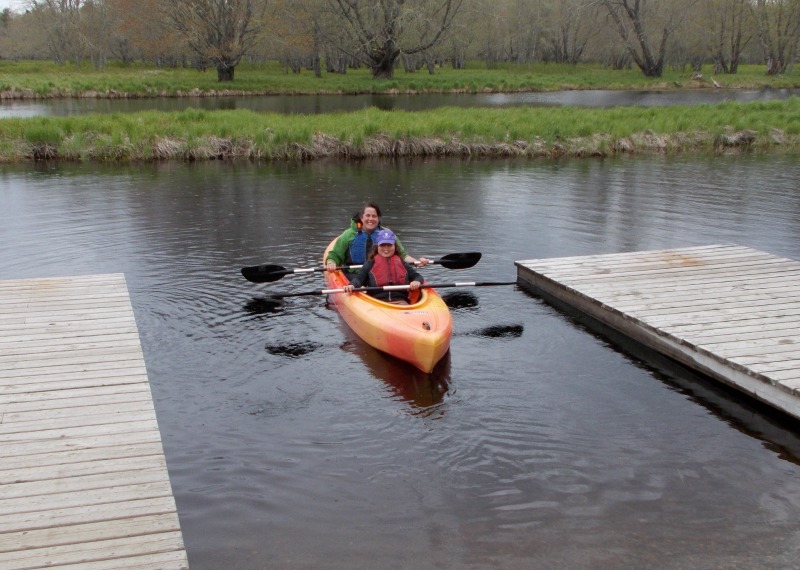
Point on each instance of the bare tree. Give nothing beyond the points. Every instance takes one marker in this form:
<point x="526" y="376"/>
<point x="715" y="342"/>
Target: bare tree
<point x="778" y="23"/>
<point x="96" y="31"/>
<point x="219" y="32"/>
<point x="143" y="30"/>
<point x="730" y="25"/>
<point x="61" y="21"/>
<point x="382" y="30"/>
<point x="568" y="25"/>
<point x="637" y="21"/>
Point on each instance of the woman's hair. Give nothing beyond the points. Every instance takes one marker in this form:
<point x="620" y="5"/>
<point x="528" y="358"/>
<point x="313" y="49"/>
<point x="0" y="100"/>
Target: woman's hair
<point x="370" y="205"/>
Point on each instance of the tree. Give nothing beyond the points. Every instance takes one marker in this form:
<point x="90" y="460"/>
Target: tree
<point x="637" y="20"/>
<point x="568" y="27"/>
<point x="143" y="30"/>
<point x="382" y="30"/>
<point x="778" y="22"/>
<point x="61" y="21"/>
<point x="730" y="25"/>
<point x="219" y="32"/>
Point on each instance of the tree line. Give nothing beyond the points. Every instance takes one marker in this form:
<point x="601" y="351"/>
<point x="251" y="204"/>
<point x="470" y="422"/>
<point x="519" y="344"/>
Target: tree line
<point x="413" y="35"/>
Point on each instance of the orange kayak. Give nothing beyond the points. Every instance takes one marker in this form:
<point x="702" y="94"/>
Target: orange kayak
<point x="418" y="333"/>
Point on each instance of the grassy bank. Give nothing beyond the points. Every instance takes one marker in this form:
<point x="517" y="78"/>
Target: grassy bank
<point x="202" y="135"/>
<point x="44" y="79"/>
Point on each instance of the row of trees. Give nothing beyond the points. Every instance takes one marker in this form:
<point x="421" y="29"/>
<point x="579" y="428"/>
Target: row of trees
<point x="414" y="34"/>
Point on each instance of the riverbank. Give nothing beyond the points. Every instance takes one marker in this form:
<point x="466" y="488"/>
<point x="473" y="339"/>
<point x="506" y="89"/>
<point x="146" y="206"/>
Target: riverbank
<point x="193" y="134"/>
<point x="43" y="80"/>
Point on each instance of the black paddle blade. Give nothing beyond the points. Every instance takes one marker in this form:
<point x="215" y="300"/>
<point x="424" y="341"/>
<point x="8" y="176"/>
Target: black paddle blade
<point x="264" y="273"/>
<point x="459" y="260"/>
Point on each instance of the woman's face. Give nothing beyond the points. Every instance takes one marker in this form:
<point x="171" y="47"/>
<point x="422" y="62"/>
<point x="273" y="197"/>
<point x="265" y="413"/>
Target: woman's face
<point x="369" y="219"/>
<point x="386" y="250"/>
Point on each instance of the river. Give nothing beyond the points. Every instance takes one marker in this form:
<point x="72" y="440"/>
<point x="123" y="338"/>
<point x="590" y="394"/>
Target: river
<point x="315" y="104"/>
<point x="540" y="443"/>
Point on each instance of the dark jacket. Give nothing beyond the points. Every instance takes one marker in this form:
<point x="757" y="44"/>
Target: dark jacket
<point x="366" y="278"/>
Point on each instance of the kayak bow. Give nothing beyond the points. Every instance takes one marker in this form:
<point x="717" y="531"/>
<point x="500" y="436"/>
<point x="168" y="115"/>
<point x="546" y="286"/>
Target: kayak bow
<point x="418" y="333"/>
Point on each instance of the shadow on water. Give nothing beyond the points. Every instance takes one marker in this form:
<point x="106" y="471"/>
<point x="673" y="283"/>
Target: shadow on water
<point x="777" y="431"/>
<point x="263" y="306"/>
<point x="420" y="390"/>
<point x="458" y="300"/>
<point x="293" y="350"/>
<point x="498" y="331"/>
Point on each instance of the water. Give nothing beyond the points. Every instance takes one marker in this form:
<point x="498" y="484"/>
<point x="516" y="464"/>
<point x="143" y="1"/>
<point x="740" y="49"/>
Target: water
<point x="539" y="442"/>
<point x="314" y="104"/>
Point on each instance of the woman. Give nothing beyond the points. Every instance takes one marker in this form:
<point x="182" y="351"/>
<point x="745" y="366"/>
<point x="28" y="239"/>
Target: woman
<point x="353" y="245"/>
<point x="385" y="267"/>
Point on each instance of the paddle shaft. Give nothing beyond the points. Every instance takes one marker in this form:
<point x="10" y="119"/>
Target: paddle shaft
<point x="397" y="288"/>
<point x="270" y="273"/>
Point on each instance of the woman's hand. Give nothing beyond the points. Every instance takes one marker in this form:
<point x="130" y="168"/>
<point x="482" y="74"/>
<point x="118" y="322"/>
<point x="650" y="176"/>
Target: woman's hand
<point x="423" y="261"/>
<point x="414" y="285"/>
<point x="348" y="288"/>
<point x="330" y="265"/>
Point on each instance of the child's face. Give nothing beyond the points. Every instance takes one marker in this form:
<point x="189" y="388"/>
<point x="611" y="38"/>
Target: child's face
<point x="386" y="249"/>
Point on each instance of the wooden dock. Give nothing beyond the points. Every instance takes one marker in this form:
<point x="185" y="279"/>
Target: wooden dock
<point x="83" y="479"/>
<point x="730" y="312"/>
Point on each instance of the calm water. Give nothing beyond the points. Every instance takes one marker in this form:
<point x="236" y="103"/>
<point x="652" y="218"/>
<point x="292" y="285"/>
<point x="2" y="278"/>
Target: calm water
<point x="539" y="443"/>
<point x="313" y="104"/>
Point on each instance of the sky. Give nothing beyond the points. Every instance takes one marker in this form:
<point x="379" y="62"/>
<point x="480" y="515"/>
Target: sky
<point x="16" y="5"/>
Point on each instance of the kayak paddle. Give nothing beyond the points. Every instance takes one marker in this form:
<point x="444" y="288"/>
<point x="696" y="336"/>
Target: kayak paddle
<point x="395" y="288"/>
<point x="270" y="273"/>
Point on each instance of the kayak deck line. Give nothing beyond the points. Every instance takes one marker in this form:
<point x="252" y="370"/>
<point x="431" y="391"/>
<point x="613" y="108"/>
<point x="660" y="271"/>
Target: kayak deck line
<point x="729" y="312"/>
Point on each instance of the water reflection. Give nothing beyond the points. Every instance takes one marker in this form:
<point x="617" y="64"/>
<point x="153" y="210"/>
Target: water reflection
<point x="315" y="104"/>
<point x="421" y="391"/>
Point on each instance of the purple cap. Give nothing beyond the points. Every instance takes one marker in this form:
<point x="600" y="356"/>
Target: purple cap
<point x="384" y="236"/>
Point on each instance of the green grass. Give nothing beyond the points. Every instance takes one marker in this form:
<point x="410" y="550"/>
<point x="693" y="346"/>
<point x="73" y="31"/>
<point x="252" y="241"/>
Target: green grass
<point x="200" y="134"/>
<point x="45" y="79"/>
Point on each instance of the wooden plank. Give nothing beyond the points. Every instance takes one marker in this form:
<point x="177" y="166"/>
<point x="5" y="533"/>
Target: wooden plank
<point x="83" y="478"/>
<point x="83" y="553"/>
<point x="81" y="533"/>
<point x="37" y="415"/>
<point x="31" y="437"/>
<point x="57" y="425"/>
<point x="97" y="441"/>
<point x="55" y="518"/>
<point x="56" y="379"/>
<point x="81" y="455"/>
<point x="729" y="311"/>
<point x="13" y="508"/>
<point x="43" y="374"/>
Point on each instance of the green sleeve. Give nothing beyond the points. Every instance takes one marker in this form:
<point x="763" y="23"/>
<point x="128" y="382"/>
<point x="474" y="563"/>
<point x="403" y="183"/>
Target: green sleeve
<point x="338" y="252"/>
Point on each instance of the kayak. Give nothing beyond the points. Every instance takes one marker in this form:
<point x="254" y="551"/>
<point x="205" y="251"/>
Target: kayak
<point x="418" y="333"/>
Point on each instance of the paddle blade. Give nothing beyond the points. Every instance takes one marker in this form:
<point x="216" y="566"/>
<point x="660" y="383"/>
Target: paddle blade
<point x="264" y="273"/>
<point x="459" y="260"/>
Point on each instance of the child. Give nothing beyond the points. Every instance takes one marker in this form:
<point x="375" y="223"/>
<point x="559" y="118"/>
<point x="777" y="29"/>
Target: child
<point x="385" y="267"/>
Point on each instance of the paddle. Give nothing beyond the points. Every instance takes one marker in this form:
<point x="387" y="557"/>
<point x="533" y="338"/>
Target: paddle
<point x="270" y="273"/>
<point x="395" y="288"/>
